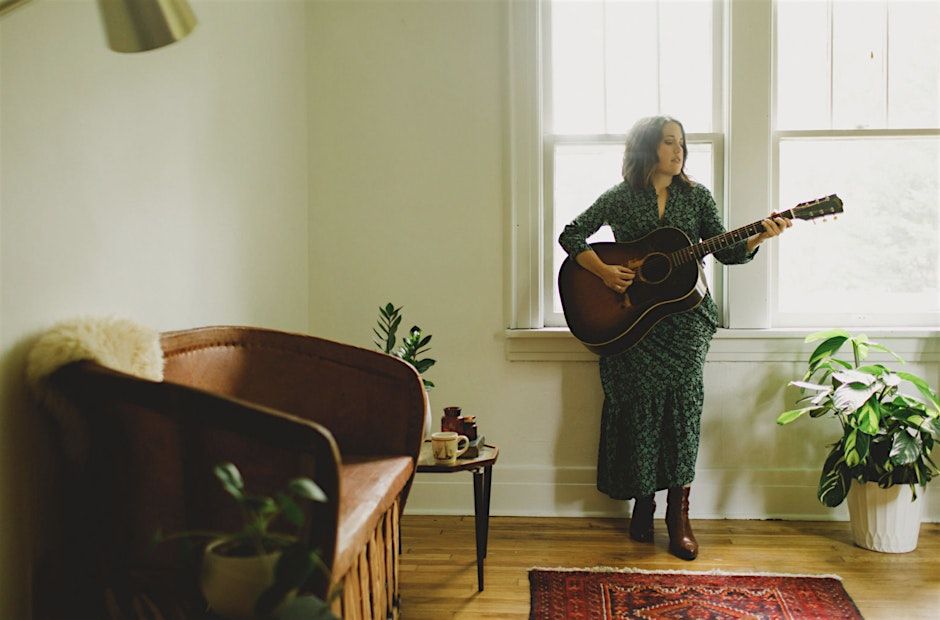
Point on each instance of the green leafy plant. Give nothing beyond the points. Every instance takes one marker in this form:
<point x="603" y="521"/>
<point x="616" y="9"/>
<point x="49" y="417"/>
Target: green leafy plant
<point x="297" y="561"/>
<point x="887" y="436"/>
<point x="412" y="346"/>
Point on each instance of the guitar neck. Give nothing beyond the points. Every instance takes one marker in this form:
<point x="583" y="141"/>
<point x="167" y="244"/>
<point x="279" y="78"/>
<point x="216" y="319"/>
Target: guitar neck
<point x="698" y="251"/>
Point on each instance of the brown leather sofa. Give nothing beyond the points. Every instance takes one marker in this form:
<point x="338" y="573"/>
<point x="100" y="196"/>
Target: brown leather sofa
<point x="278" y="405"/>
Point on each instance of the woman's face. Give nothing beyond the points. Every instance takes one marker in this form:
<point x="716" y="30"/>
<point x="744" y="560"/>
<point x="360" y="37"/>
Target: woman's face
<point x="670" y="150"/>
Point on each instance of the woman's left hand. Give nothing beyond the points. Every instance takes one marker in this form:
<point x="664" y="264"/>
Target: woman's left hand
<point x="773" y="227"/>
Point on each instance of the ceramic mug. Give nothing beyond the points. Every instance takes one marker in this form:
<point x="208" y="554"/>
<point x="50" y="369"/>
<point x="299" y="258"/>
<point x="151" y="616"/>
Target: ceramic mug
<point x="446" y="447"/>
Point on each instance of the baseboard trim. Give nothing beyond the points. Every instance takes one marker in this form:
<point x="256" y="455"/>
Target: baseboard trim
<point x="784" y="494"/>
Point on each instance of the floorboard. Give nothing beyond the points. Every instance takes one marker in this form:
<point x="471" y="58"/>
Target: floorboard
<point x="438" y="565"/>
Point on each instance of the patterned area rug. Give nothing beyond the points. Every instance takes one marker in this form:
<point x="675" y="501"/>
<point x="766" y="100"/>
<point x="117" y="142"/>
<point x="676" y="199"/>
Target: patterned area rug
<point x="614" y="594"/>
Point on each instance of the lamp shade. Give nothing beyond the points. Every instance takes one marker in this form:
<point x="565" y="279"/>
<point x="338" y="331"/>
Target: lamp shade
<point x="141" y="25"/>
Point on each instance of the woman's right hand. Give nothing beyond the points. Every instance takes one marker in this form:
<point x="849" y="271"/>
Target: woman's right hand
<point x="617" y="277"/>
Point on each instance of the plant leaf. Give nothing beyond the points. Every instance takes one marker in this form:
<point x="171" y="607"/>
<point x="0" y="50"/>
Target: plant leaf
<point x="854" y="376"/>
<point x="868" y="418"/>
<point x="290" y="572"/>
<point x="423" y="365"/>
<point x="860" y="346"/>
<point x="851" y="454"/>
<point x="292" y="512"/>
<point x="308" y="608"/>
<point x="261" y="505"/>
<point x="847" y="398"/>
<point x="891" y="379"/>
<point x="880" y="347"/>
<point x="826" y="349"/>
<point x="906" y="448"/>
<point x="231" y="479"/>
<point x="821" y="397"/>
<point x="934" y="427"/>
<point x="826" y="335"/>
<point x="789" y="416"/>
<point x="307" y="488"/>
<point x="835" y="479"/>
<point x="922" y="387"/>
<point x="862" y="446"/>
<point x="810" y="386"/>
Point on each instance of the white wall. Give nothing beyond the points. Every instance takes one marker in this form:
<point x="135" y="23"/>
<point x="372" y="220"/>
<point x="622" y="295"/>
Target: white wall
<point x="168" y="187"/>
<point x="296" y="166"/>
<point x="409" y="203"/>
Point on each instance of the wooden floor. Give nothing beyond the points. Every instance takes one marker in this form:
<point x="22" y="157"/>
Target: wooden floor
<point x="438" y="567"/>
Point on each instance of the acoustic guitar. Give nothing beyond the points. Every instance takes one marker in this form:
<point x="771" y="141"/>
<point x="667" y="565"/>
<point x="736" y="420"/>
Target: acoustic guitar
<point x="669" y="279"/>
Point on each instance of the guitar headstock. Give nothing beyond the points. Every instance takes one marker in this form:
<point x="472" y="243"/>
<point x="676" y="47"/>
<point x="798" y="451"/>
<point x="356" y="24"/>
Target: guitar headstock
<point x="820" y="207"/>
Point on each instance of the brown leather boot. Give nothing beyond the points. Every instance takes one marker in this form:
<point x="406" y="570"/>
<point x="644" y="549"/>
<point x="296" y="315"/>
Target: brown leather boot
<point x="682" y="541"/>
<point x="641" y="523"/>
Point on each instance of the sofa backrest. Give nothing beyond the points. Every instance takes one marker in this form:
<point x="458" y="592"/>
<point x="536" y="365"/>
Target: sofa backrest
<point x="372" y="403"/>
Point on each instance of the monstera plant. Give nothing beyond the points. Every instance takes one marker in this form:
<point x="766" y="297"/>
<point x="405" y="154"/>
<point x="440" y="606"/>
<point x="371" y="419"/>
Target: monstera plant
<point x="890" y="419"/>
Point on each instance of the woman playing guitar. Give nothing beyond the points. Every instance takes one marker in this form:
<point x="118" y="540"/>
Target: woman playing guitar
<point x="653" y="391"/>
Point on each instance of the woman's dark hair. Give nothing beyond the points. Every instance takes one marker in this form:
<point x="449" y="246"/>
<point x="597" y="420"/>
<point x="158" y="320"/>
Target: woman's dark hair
<point x="640" y="156"/>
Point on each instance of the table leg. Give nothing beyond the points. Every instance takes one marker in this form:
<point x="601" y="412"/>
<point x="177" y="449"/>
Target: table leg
<point x="479" y="523"/>
<point x="487" y="484"/>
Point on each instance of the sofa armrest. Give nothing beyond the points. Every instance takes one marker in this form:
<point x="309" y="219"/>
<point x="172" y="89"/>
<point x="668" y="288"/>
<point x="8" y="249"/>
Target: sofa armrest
<point x="153" y="448"/>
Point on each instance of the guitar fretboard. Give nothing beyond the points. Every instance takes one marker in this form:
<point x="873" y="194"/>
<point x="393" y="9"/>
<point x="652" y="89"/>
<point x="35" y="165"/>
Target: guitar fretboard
<point x="702" y="249"/>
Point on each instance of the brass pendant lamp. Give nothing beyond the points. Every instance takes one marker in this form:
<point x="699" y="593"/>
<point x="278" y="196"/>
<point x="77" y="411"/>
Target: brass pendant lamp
<point x="137" y="25"/>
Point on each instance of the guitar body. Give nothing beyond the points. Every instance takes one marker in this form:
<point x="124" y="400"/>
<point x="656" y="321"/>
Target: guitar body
<point x="607" y="322"/>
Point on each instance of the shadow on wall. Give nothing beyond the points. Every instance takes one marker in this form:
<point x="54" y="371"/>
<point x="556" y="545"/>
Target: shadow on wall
<point x="582" y="400"/>
<point x="742" y="443"/>
<point x="30" y="485"/>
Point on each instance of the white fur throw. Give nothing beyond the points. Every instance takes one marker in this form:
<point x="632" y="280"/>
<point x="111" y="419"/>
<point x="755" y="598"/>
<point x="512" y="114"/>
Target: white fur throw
<point x="119" y="344"/>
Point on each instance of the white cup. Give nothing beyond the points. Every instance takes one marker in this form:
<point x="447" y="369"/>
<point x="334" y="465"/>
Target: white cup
<point x="446" y="447"/>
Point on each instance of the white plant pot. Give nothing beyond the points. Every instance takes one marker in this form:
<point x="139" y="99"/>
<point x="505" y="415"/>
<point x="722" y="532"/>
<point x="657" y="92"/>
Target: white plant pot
<point x="428" y="417"/>
<point x="885" y="520"/>
<point x="232" y="585"/>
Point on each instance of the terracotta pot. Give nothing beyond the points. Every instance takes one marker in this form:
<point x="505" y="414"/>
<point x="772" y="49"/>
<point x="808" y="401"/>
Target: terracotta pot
<point x="885" y="519"/>
<point x="232" y="585"/>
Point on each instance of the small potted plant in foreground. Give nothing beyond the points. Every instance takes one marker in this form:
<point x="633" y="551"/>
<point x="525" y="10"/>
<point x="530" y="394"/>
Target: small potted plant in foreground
<point x="882" y="462"/>
<point x="251" y="573"/>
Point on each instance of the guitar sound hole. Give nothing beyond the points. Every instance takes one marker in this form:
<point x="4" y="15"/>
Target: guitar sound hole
<point x="655" y="268"/>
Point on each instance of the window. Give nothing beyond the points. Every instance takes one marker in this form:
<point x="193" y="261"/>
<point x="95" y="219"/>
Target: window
<point x="819" y="97"/>
<point x="858" y="114"/>
<point x="608" y="63"/>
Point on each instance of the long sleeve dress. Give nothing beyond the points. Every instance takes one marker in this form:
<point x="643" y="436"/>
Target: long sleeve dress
<point x="653" y="391"/>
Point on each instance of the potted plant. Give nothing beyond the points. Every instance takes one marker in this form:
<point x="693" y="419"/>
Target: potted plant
<point x="883" y="458"/>
<point x="412" y="346"/>
<point x="251" y="573"/>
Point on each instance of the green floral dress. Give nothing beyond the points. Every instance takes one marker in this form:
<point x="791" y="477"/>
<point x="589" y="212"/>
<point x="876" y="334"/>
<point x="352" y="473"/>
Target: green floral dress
<point x="653" y="392"/>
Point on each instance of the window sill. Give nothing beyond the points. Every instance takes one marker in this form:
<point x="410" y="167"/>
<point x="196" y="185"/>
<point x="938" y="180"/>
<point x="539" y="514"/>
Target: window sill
<point x="550" y="344"/>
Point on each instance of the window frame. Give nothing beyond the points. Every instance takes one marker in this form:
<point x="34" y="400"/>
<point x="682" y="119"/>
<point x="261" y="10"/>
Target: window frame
<point x="746" y="159"/>
<point x="548" y="142"/>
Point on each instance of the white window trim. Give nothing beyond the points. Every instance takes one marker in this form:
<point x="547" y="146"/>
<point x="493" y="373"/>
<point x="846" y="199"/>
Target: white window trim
<point x="525" y="156"/>
<point x="916" y="346"/>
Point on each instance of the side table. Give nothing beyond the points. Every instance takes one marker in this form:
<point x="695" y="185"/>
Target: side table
<point x="482" y="468"/>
